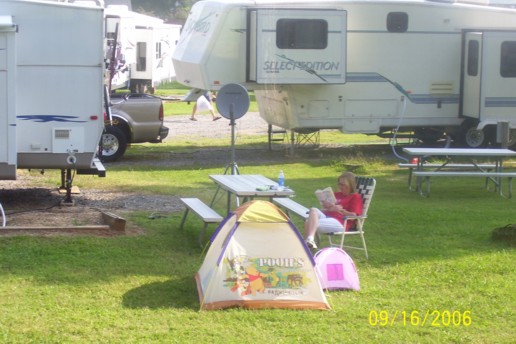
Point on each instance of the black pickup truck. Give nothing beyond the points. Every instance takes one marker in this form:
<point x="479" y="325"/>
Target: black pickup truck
<point x="135" y="118"/>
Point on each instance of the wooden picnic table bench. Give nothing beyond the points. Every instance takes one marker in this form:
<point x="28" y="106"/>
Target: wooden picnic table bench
<point x="493" y="176"/>
<point x="207" y="214"/>
<point x="440" y="166"/>
<point x="291" y="206"/>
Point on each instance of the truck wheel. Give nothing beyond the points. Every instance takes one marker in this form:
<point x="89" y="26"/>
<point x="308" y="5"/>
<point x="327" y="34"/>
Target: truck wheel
<point x="113" y="144"/>
<point x="471" y="137"/>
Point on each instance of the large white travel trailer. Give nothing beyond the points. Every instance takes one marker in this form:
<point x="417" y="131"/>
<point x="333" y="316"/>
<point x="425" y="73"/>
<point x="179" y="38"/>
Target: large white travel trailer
<point x="140" y="49"/>
<point x="51" y="86"/>
<point x="361" y="66"/>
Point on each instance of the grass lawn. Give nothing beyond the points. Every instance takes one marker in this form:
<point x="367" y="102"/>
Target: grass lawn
<point x="428" y="257"/>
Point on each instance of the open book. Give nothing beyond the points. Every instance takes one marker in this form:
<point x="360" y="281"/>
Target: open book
<point x="326" y="195"/>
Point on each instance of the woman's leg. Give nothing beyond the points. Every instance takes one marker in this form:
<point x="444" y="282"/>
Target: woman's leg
<point x="312" y="223"/>
<point x="194" y="110"/>
<point x="329" y="225"/>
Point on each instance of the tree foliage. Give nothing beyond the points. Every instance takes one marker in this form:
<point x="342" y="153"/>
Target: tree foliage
<point x="172" y="11"/>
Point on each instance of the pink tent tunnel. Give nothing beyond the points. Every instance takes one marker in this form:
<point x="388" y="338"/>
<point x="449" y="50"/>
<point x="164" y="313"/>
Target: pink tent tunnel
<point x="336" y="269"/>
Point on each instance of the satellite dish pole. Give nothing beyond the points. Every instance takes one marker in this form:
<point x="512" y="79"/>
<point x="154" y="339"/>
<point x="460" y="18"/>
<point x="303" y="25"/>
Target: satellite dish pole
<point x="232" y="103"/>
<point x="232" y="164"/>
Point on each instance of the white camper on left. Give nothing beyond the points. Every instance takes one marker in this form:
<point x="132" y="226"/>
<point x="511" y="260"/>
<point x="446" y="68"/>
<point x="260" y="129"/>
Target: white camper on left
<point x="51" y="86"/>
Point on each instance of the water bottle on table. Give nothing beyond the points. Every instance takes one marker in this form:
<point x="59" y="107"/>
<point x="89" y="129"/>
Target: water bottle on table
<point x="281" y="180"/>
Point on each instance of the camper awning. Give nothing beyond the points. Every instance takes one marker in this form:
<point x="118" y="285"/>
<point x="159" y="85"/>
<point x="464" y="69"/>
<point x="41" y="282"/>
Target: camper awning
<point x="6" y="23"/>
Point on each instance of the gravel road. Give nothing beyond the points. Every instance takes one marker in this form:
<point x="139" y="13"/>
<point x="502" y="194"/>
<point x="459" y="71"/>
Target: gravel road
<point x="180" y="126"/>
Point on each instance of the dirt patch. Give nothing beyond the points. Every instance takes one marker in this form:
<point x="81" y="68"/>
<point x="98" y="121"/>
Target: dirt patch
<point x="37" y="207"/>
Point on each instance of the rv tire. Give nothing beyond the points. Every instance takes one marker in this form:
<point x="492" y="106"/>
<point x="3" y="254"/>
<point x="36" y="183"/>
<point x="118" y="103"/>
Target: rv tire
<point x="113" y="144"/>
<point x="471" y="137"/>
<point x="512" y="139"/>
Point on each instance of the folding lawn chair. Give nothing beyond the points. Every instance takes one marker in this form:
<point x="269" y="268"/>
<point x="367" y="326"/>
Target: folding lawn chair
<point x="365" y="187"/>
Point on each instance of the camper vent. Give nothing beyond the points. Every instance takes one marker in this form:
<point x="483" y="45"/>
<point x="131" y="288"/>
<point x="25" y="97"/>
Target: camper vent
<point x="441" y="88"/>
<point x="62" y="133"/>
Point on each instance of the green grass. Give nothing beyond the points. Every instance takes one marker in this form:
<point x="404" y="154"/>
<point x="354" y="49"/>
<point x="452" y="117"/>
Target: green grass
<point x="426" y="254"/>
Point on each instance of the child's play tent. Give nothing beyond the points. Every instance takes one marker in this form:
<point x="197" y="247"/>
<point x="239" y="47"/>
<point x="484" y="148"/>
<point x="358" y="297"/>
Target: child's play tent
<point x="257" y="259"/>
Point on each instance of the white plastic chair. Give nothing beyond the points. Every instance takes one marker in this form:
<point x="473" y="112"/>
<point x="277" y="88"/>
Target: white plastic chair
<point x="365" y="187"/>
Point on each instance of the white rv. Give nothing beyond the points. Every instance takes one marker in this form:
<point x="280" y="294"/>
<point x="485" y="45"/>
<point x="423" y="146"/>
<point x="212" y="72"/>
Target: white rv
<point x="140" y="49"/>
<point x="51" y="86"/>
<point x="430" y="67"/>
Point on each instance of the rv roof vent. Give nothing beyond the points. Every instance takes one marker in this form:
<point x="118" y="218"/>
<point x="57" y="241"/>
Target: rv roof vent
<point x="441" y="88"/>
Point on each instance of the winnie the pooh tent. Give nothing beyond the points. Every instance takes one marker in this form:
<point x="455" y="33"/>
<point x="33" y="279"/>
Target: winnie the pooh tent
<point x="257" y="259"/>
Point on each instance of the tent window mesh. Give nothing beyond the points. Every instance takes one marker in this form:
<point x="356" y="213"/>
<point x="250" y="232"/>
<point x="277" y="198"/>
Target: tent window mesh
<point x="335" y="272"/>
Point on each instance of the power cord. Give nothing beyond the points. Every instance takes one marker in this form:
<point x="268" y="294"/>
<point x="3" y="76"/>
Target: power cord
<point x="402" y="114"/>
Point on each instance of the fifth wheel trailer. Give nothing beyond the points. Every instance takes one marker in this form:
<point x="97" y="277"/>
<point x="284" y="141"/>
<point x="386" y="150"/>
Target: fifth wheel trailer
<point x="51" y="86"/>
<point x="139" y="50"/>
<point x="374" y="67"/>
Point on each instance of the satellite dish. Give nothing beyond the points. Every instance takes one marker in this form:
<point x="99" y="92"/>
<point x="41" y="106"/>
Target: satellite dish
<point x="232" y="99"/>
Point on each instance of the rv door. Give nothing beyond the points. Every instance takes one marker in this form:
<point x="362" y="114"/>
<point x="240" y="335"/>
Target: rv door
<point x="490" y="76"/>
<point x="471" y="87"/>
<point x="296" y="46"/>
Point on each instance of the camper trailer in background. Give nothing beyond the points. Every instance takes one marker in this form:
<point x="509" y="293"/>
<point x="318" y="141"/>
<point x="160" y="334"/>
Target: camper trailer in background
<point x="51" y="94"/>
<point x="139" y="49"/>
<point x="374" y="67"/>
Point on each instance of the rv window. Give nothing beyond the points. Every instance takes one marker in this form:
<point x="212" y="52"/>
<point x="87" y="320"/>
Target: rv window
<point x="141" y="53"/>
<point x="301" y="34"/>
<point x="397" y="22"/>
<point x="473" y="53"/>
<point x="508" y="60"/>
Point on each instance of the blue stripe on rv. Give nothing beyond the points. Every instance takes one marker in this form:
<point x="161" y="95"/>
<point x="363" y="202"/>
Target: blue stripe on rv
<point x="415" y="98"/>
<point x="500" y="102"/>
<point x="50" y="118"/>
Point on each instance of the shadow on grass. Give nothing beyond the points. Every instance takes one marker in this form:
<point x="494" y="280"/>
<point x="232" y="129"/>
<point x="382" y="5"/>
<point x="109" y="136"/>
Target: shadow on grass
<point x="177" y="293"/>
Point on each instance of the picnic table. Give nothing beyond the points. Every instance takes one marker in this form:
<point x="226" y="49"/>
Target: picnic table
<point x="492" y="172"/>
<point x="248" y="186"/>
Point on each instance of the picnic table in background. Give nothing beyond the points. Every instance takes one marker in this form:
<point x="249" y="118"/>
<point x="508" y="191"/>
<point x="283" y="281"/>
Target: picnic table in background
<point x="492" y="172"/>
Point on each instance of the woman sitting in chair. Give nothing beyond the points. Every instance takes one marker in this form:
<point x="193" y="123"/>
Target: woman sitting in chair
<point x="331" y="217"/>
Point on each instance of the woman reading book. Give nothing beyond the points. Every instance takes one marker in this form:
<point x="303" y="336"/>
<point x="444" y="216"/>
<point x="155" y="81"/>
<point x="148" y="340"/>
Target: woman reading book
<point x="331" y="217"/>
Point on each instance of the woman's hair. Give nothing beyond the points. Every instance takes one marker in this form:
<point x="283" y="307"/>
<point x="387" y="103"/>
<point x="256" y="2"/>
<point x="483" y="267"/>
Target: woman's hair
<point x="349" y="178"/>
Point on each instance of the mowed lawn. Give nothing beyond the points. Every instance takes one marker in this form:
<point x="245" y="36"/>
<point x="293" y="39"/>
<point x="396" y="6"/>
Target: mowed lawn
<point x="434" y="274"/>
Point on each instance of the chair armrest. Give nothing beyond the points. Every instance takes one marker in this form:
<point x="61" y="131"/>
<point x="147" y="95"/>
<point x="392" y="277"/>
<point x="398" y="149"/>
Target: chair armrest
<point x="355" y="217"/>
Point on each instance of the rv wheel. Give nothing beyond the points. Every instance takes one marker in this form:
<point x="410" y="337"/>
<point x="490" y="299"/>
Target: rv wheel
<point x="512" y="139"/>
<point x="472" y="137"/>
<point x="113" y="144"/>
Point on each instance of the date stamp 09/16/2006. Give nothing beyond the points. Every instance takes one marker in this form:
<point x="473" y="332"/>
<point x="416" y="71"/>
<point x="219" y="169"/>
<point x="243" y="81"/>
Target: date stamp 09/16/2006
<point x="433" y="318"/>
